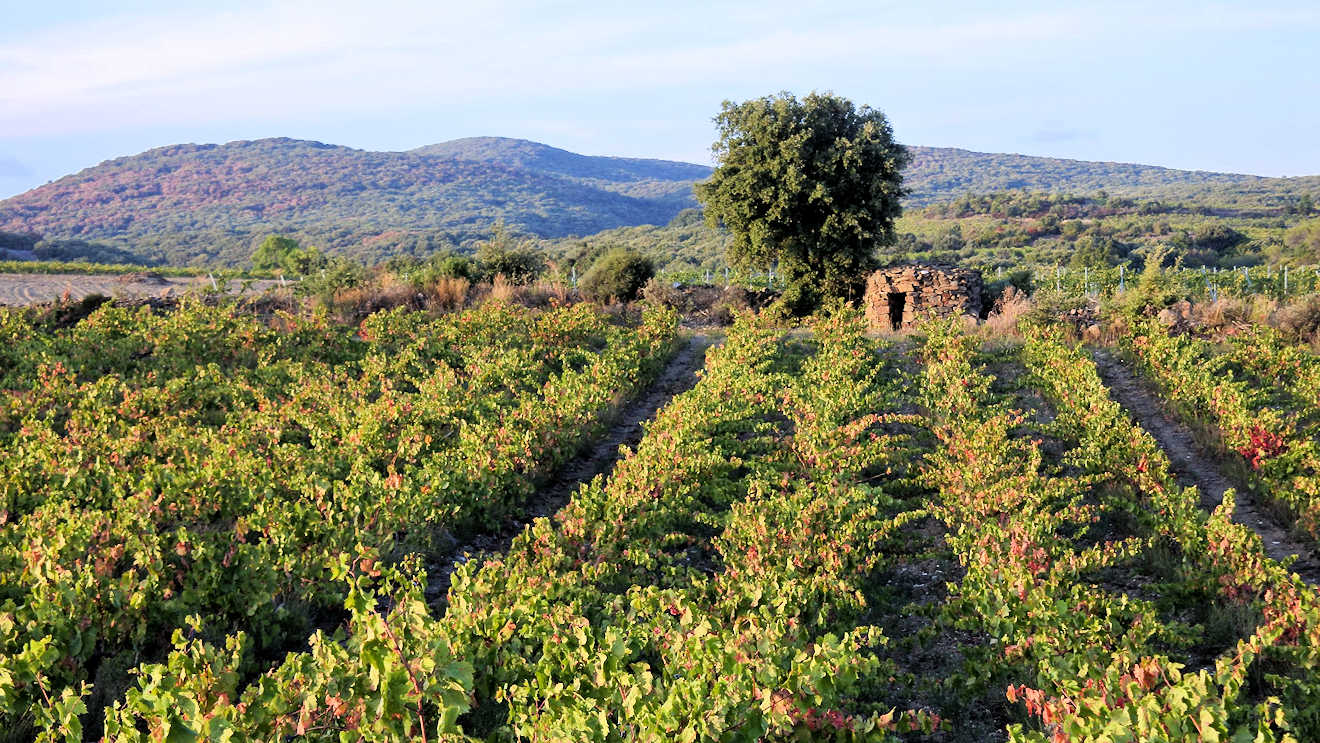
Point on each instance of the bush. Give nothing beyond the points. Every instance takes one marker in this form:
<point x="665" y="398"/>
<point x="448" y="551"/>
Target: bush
<point x="619" y="274"/>
<point x="442" y="266"/>
<point x="732" y="301"/>
<point x="1017" y="283"/>
<point x="337" y="274"/>
<point x="1049" y="306"/>
<point x="1300" y="321"/>
<point x="502" y="255"/>
<point x="661" y="293"/>
<point x="1155" y="289"/>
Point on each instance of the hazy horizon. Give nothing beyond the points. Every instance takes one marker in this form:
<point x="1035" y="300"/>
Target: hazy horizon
<point x="1188" y="86"/>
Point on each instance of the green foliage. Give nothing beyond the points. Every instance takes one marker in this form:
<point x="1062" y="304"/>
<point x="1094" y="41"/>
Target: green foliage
<point x="273" y="252"/>
<point x="391" y="676"/>
<point x="1154" y="289"/>
<point x="503" y="255"/>
<point x="111" y="269"/>
<point x="1280" y="445"/>
<point x="788" y="553"/>
<point x="332" y="276"/>
<point x="940" y="173"/>
<point x="282" y="254"/>
<point x="812" y="186"/>
<point x="1097" y="662"/>
<point x="441" y="265"/>
<point x="260" y="478"/>
<point x="1093" y="252"/>
<point x="17" y="241"/>
<point x="686" y="245"/>
<point x="620" y="274"/>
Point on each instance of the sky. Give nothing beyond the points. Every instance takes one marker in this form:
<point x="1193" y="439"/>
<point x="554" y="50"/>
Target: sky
<point x="1229" y="87"/>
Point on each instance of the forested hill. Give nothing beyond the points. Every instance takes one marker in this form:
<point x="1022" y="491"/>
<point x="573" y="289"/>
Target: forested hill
<point x="612" y="172"/>
<point x="939" y="173"/>
<point x="211" y="203"/>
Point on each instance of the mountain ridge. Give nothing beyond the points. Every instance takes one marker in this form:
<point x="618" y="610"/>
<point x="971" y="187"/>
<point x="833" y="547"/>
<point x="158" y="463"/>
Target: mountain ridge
<point x="209" y="203"/>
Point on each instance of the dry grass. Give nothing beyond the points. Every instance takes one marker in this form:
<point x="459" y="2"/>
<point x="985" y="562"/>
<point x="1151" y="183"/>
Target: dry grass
<point x="447" y="294"/>
<point x="1221" y="314"/>
<point x="501" y="290"/>
<point x="544" y="293"/>
<point x="388" y="291"/>
<point x="1008" y="311"/>
<point x="1300" y="320"/>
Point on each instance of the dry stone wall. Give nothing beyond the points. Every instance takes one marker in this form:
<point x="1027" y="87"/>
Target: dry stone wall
<point x="897" y="296"/>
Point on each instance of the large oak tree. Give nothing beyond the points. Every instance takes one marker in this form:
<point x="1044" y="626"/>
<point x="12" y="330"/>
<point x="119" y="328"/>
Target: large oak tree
<point x="812" y="185"/>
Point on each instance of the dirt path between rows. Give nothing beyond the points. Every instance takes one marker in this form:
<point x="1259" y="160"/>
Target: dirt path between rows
<point x="679" y="375"/>
<point x="1193" y="466"/>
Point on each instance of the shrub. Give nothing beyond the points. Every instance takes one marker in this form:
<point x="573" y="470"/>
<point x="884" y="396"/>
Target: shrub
<point x="336" y="275"/>
<point x="619" y="274"/>
<point x="519" y="263"/>
<point x="1155" y="289"/>
<point x="443" y="266"/>
<point x="1300" y="321"/>
<point x="661" y="293"/>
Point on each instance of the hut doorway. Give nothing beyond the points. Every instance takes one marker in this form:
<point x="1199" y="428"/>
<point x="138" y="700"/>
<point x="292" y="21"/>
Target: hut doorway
<point x="897" y="302"/>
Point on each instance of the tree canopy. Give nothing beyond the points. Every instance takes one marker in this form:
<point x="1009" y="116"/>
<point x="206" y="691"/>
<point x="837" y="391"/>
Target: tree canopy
<point x="282" y="253"/>
<point x="619" y="274"/>
<point x="813" y="186"/>
<point x="273" y="252"/>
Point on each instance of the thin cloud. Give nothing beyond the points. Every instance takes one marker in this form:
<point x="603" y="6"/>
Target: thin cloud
<point x="180" y="69"/>
<point x="282" y="62"/>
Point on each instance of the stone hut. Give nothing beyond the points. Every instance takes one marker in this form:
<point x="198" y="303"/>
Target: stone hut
<point x="895" y="296"/>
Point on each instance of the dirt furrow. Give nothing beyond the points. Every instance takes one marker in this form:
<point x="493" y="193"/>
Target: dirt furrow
<point x="678" y="376"/>
<point x="1193" y="466"/>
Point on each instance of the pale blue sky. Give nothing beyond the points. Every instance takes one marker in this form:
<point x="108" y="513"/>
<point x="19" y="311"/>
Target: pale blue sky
<point x="1226" y="86"/>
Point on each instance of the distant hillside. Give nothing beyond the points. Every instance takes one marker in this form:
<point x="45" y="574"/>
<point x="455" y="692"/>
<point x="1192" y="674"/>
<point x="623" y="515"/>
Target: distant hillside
<point x="937" y="173"/>
<point x="634" y="176"/>
<point x="209" y="204"/>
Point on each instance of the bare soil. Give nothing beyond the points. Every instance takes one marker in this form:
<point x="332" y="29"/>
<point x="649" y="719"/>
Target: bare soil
<point x="1194" y="466"/>
<point x="678" y="376"/>
<point x="19" y="289"/>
